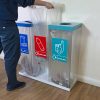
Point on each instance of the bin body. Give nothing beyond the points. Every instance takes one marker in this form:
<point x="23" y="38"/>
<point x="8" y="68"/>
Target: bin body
<point x="25" y="32"/>
<point x="64" y="46"/>
<point x="31" y="64"/>
<point x="39" y="46"/>
<point x="50" y="54"/>
<point x="40" y="34"/>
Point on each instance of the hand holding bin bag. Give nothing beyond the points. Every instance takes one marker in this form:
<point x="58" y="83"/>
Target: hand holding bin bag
<point x="39" y="37"/>
<point x="40" y="14"/>
<point x="41" y="17"/>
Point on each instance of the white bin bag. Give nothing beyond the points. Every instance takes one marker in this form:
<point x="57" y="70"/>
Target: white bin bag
<point x="39" y="38"/>
<point x="49" y="16"/>
<point x="54" y="16"/>
<point x="41" y="17"/>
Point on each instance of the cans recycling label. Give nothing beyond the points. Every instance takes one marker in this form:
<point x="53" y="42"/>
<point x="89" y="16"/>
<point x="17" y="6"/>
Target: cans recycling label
<point x="40" y="46"/>
<point x="24" y="43"/>
<point x="60" y="49"/>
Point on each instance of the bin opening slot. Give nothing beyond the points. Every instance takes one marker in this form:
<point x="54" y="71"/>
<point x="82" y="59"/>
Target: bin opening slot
<point x="65" y="24"/>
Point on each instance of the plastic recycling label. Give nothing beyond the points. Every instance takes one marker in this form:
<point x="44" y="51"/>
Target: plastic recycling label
<point x="60" y="49"/>
<point x="40" y="46"/>
<point x="24" y="43"/>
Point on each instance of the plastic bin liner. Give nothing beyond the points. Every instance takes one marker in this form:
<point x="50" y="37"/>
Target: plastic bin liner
<point x="54" y="16"/>
<point x="59" y="70"/>
<point x="40" y="14"/>
<point x="28" y="63"/>
<point x="41" y="17"/>
<point x="35" y="62"/>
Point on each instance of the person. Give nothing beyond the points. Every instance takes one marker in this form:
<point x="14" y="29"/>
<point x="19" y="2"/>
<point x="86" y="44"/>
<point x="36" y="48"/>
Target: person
<point x="9" y="37"/>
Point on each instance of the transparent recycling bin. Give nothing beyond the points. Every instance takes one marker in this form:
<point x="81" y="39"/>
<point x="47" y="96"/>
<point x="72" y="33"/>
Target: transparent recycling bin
<point x="40" y="46"/>
<point x="25" y="61"/>
<point x="31" y="64"/>
<point x="40" y="35"/>
<point x="39" y="49"/>
<point x="64" y="54"/>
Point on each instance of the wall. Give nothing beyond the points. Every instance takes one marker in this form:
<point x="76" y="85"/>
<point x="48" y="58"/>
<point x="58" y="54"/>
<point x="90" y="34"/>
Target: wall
<point x="87" y="12"/>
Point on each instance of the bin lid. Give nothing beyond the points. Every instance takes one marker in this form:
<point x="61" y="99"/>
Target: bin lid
<point x="24" y="24"/>
<point x="65" y="26"/>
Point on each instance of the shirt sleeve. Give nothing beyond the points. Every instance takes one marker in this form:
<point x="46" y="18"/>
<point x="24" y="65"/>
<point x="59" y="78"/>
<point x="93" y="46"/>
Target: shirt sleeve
<point x="25" y="3"/>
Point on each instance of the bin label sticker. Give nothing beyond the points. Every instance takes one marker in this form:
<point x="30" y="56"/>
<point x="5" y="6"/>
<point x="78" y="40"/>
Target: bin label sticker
<point x="40" y="46"/>
<point x="60" y="49"/>
<point x="24" y="43"/>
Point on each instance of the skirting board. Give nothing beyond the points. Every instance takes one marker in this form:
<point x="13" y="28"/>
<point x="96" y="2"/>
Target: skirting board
<point x="88" y="80"/>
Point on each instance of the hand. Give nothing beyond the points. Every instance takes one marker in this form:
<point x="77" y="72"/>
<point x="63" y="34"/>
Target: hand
<point x="49" y="5"/>
<point x="44" y="3"/>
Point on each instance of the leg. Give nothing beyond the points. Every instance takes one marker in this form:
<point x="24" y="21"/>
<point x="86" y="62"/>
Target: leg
<point x="1" y="48"/>
<point x="11" y="47"/>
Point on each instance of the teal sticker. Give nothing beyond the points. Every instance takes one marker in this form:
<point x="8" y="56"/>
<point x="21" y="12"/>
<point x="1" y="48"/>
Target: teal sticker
<point x="60" y="49"/>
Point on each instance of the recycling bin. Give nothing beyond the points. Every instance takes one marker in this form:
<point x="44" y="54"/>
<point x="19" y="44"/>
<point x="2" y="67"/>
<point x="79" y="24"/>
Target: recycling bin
<point x="40" y="35"/>
<point x="25" y="61"/>
<point x="63" y="57"/>
<point x="40" y="47"/>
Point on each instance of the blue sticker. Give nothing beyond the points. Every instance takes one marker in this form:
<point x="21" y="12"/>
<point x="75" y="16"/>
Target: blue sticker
<point x="60" y="49"/>
<point x="24" y="43"/>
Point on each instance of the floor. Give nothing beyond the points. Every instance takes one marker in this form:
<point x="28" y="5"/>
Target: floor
<point x="35" y="90"/>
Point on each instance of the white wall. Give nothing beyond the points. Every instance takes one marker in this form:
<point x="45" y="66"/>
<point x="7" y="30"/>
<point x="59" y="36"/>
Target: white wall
<point x="87" y="12"/>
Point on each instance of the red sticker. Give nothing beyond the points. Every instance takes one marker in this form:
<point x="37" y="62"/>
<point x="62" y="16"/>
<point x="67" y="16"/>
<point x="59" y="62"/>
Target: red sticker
<point x="40" y="46"/>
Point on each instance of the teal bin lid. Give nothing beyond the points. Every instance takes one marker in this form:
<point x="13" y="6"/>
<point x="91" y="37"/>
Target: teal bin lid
<point x="65" y="26"/>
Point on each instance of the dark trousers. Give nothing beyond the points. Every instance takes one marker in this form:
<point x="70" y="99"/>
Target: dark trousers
<point x="10" y="44"/>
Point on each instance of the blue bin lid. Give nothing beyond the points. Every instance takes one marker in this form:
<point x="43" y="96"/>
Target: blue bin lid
<point x="65" y="26"/>
<point x="24" y="24"/>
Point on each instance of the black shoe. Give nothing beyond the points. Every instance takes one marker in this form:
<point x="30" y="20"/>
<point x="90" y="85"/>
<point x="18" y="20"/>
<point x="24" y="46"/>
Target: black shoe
<point x="18" y="85"/>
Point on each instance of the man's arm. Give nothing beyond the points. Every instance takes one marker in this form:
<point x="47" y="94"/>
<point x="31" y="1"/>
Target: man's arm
<point x="25" y="3"/>
<point x="43" y="3"/>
